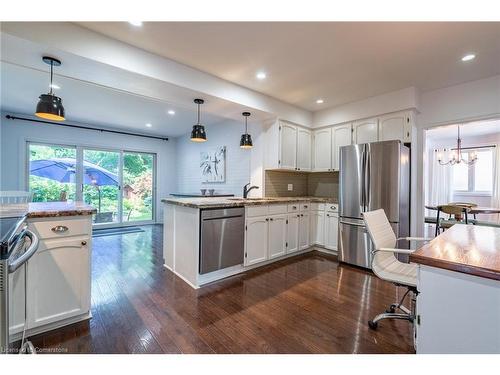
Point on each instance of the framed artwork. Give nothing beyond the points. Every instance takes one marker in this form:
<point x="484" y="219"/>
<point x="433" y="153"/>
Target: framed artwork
<point x="213" y="165"/>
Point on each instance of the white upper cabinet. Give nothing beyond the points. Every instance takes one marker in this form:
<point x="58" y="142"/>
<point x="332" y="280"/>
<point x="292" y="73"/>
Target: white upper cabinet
<point x="395" y="126"/>
<point x="341" y="136"/>
<point x="304" y="138"/>
<point x="365" y="131"/>
<point x="323" y="150"/>
<point x="288" y="146"/>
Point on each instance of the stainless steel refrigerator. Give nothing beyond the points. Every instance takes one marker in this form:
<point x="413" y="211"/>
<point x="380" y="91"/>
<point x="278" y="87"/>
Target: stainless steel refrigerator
<point x="372" y="176"/>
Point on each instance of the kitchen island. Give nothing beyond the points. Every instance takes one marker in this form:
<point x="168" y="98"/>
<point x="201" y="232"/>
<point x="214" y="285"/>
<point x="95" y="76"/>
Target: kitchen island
<point x="58" y="274"/>
<point x="207" y="239"/>
<point x="458" y="308"/>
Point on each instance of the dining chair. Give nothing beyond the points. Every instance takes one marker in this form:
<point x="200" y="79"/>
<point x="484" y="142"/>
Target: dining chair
<point x="386" y="265"/>
<point x="15" y="197"/>
<point x="449" y="209"/>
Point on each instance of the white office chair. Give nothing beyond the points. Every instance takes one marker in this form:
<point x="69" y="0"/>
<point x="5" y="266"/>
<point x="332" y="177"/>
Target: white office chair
<point x="387" y="267"/>
<point x="15" y="197"/>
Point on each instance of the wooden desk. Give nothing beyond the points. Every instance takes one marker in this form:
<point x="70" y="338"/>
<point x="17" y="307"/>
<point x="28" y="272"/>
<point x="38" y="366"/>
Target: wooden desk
<point x="458" y="308"/>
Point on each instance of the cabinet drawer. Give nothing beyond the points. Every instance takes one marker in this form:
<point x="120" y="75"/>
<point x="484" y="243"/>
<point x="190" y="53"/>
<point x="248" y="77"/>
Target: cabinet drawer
<point x="276" y="209"/>
<point x="306" y="206"/>
<point x="293" y="207"/>
<point x="71" y="226"/>
<point x="317" y="206"/>
<point x="332" y="207"/>
<point x="253" y="211"/>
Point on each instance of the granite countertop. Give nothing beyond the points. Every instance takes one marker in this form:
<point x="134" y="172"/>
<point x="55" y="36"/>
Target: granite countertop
<point x="46" y="209"/>
<point x="238" y="201"/>
<point x="471" y="249"/>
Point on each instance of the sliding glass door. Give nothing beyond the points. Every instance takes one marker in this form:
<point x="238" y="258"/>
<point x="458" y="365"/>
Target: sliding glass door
<point x="119" y="184"/>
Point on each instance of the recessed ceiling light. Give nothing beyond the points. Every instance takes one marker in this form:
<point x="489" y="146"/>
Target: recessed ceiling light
<point x="54" y="86"/>
<point x="135" y="23"/>
<point x="320" y="101"/>
<point x="171" y="112"/>
<point x="261" y="75"/>
<point x="148" y="125"/>
<point x="469" y="57"/>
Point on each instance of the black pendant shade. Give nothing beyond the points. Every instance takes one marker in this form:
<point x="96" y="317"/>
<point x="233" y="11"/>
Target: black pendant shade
<point x="49" y="105"/>
<point x="198" y="133"/>
<point x="246" y="139"/>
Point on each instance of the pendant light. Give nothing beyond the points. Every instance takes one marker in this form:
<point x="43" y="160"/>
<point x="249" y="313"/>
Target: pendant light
<point x="49" y="105"/>
<point x="198" y="133"/>
<point x="455" y="155"/>
<point x="246" y="139"/>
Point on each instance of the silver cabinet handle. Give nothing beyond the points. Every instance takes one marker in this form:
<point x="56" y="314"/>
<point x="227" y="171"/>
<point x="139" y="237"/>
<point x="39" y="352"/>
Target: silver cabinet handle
<point x="84" y="243"/>
<point x="60" y="229"/>
<point x="27" y="254"/>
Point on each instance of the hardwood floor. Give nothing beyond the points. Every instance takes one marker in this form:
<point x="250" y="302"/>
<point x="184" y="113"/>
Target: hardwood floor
<point x="305" y="304"/>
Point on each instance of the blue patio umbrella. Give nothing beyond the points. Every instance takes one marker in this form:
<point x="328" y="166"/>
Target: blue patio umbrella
<point x="64" y="170"/>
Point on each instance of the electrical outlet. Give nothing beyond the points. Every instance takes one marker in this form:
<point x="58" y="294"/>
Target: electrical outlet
<point x="290" y="187"/>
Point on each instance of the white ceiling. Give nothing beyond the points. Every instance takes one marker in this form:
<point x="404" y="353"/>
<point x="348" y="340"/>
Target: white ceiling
<point x="338" y="61"/>
<point x="472" y="129"/>
<point x="92" y="104"/>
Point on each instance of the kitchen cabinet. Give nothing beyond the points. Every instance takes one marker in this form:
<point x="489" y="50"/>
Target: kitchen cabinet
<point x="365" y="131"/>
<point x="322" y="150"/>
<point x="292" y="233"/>
<point x="16" y="301"/>
<point x="318" y="227"/>
<point x="59" y="281"/>
<point x="395" y="126"/>
<point x="304" y="230"/>
<point x="341" y="136"/>
<point x="304" y="140"/>
<point x="277" y="236"/>
<point x="256" y="240"/>
<point x="288" y="146"/>
<point x="331" y="230"/>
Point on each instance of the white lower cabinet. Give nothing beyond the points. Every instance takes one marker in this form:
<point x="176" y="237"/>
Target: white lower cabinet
<point x="292" y="233"/>
<point x="331" y="230"/>
<point x="318" y="228"/>
<point x="256" y="240"/>
<point x="277" y="236"/>
<point x="58" y="282"/>
<point x="304" y="231"/>
<point x="58" y="276"/>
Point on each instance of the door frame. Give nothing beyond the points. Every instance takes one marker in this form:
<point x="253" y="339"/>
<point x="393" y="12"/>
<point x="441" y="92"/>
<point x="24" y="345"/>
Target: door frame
<point x="79" y="176"/>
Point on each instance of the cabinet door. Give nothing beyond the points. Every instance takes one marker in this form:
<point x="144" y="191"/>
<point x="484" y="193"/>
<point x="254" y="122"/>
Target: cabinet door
<point x="366" y="131"/>
<point x="318" y="228"/>
<point x="304" y="230"/>
<point x="304" y="149"/>
<point x="322" y="150"/>
<point x="277" y="236"/>
<point x="288" y="146"/>
<point x="256" y="240"/>
<point x="331" y="230"/>
<point x="292" y="233"/>
<point x="393" y="126"/>
<point x="58" y="281"/>
<point x="16" y="301"/>
<point x="341" y="136"/>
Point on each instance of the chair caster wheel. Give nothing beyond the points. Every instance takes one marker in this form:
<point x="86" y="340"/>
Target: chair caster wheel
<point x="372" y="324"/>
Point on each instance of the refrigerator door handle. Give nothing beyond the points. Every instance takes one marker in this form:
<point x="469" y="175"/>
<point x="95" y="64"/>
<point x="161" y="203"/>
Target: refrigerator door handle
<point x="362" y="175"/>
<point x="352" y="223"/>
<point x="367" y="182"/>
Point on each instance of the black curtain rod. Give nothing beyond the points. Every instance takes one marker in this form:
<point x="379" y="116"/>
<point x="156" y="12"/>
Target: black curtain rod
<point x="9" y="117"/>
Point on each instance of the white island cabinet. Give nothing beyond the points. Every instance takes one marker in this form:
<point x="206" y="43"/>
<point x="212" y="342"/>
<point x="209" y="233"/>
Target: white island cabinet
<point x="272" y="231"/>
<point x="58" y="274"/>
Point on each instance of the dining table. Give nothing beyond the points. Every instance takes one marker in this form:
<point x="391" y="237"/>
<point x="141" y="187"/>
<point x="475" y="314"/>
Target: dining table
<point x="473" y="210"/>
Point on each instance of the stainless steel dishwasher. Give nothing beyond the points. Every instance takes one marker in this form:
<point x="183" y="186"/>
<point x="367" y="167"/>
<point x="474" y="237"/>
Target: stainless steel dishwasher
<point x="222" y="236"/>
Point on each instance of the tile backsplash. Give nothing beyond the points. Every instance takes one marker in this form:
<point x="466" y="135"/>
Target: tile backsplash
<point x="323" y="184"/>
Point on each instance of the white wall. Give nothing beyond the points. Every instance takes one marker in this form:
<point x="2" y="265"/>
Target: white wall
<point x="238" y="161"/>
<point x="15" y="134"/>
<point x="468" y="101"/>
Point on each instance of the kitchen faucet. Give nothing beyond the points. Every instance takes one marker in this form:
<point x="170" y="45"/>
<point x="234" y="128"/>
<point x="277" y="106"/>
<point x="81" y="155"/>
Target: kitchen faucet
<point x="247" y="190"/>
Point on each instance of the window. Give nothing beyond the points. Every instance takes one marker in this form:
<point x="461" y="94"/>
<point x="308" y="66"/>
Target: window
<point x="478" y="177"/>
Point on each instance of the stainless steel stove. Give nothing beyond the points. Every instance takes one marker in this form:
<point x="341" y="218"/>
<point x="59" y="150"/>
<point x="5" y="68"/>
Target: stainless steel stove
<point x="17" y="245"/>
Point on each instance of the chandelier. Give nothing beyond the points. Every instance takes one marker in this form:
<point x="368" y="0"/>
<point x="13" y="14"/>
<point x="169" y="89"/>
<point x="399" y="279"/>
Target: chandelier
<point x="455" y="154"/>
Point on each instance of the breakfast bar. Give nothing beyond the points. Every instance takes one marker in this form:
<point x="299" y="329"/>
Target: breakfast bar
<point x="458" y="308"/>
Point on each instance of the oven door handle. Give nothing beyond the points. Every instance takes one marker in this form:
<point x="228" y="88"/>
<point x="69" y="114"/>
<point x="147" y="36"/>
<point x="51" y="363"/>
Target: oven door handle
<point x="27" y="254"/>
